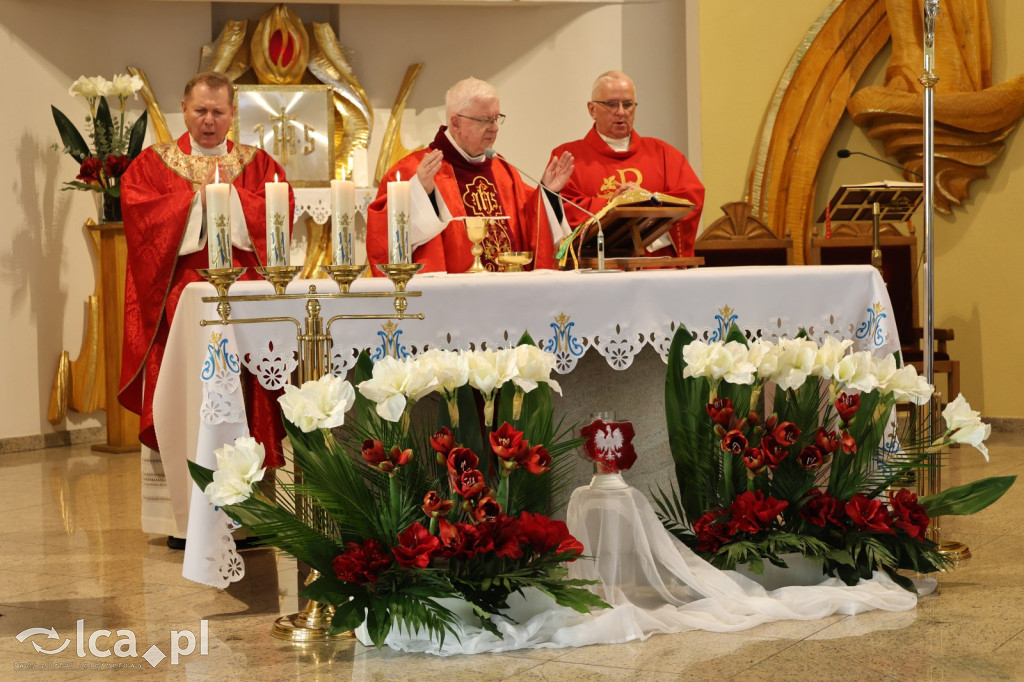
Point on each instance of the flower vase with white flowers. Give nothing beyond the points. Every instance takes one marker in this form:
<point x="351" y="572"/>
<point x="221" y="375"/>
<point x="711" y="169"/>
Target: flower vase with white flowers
<point x="395" y="522"/>
<point x="114" y="142"/>
<point x="794" y="447"/>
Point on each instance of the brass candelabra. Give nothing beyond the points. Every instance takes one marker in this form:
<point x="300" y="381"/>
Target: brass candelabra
<point x="312" y="623"/>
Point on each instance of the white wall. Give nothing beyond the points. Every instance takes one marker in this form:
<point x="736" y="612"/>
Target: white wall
<point x="542" y="59"/>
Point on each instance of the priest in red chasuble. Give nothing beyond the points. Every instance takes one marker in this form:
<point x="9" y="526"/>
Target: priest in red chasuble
<point x="613" y="158"/>
<point x="458" y="175"/>
<point x="163" y="200"/>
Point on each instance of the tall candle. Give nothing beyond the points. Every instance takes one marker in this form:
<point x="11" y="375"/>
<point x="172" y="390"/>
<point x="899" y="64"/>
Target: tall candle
<point x="398" y="222"/>
<point x="343" y="212"/>
<point x="360" y="169"/>
<point x="277" y="222"/>
<point x="218" y="223"/>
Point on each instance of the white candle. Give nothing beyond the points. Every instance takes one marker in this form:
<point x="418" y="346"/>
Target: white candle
<point x="343" y="212"/>
<point x="398" y="222"/>
<point x="360" y="169"/>
<point x="277" y="222"/>
<point x="218" y="223"/>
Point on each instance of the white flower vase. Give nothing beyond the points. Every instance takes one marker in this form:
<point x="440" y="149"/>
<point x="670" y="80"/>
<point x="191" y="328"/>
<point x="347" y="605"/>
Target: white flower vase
<point x="800" y="571"/>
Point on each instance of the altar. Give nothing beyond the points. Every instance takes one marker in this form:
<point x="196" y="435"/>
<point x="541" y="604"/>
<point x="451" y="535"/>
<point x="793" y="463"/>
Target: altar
<point x="609" y="331"/>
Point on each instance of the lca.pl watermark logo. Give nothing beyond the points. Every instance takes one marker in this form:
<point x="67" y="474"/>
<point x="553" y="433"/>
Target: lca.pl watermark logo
<point x="102" y="644"/>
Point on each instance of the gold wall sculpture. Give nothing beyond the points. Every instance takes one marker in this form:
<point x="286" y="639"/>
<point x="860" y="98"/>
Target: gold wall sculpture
<point x="972" y="117"/>
<point x="392" y="151"/>
<point x="808" y="104"/>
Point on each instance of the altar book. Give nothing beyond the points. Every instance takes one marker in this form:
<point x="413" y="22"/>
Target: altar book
<point x="632" y="222"/>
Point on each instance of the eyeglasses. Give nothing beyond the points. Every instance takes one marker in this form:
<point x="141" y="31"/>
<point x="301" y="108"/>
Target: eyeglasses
<point x="612" y="105"/>
<point x="497" y="120"/>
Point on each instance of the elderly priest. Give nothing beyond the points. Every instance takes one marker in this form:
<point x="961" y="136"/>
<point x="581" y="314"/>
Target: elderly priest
<point x="459" y="175"/>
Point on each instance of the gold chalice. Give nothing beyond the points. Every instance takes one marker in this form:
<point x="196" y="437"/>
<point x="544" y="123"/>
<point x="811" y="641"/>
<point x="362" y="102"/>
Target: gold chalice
<point x="476" y="231"/>
<point x="515" y="261"/>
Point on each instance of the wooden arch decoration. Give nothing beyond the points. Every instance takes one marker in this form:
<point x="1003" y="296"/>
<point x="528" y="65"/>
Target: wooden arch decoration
<point x="809" y="102"/>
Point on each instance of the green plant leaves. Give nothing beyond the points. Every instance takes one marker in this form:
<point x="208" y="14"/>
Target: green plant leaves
<point x="73" y="141"/>
<point x="968" y="498"/>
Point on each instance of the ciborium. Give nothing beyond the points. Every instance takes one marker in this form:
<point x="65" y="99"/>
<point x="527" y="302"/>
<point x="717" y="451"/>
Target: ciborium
<point x="515" y="261"/>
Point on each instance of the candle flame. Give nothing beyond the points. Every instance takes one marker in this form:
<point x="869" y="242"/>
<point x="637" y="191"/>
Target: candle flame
<point x="216" y="174"/>
<point x="398" y="176"/>
<point x="343" y="174"/>
<point x="275" y="176"/>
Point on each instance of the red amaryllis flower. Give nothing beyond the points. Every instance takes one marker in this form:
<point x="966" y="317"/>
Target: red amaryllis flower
<point x="827" y="441"/>
<point x="461" y="460"/>
<point x="486" y="509"/>
<point x="474" y="541"/>
<point x="443" y="441"/>
<point x="755" y="460"/>
<point x="373" y="452"/>
<point x="116" y="165"/>
<point x="435" y="505"/>
<point x="821" y="509"/>
<point x="508" y="444"/>
<point x="470" y="484"/>
<point x="610" y="444"/>
<point x="362" y="563"/>
<point x="415" y="547"/>
<point x="907" y="514"/>
<point x="720" y="410"/>
<point x="847" y="405"/>
<point x="752" y="511"/>
<point x="734" y="442"/>
<point x="711" y="532"/>
<point x="537" y="460"/>
<point x="774" y="451"/>
<point x="868" y="514"/>
<point x="571" y="547"/>
<point x="811" y="458"/>
<point x="450" y="536"/>
<point x="90" y="170"/>
<point x="847" y="442"/>
<point x="786" y="433"/>
<point x="504" y="533"/>
<point x="541" y="532"/>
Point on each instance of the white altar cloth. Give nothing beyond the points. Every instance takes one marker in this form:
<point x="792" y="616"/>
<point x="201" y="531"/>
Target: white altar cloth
<point x="568" y="313"/>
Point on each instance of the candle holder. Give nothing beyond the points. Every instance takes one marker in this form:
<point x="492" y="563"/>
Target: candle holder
<point x="476" y="231"/>
<point x="343" y="275"/>
<point x="279" y="275"/>
<point x="221" y="278"/>
<point x="515" y="261"/>
<point x="400" y="274"/>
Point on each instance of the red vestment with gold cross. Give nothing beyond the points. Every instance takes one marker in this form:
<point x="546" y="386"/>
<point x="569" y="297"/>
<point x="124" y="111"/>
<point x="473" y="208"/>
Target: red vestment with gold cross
<point x="156" y="199"/>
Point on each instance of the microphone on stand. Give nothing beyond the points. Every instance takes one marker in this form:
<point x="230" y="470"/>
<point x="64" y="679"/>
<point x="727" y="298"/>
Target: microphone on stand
<point x="846" y="153"/>
<point x="490" y="153"/>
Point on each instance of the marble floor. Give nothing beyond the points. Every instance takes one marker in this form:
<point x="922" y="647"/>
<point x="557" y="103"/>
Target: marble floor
<point x="72" y="551"/>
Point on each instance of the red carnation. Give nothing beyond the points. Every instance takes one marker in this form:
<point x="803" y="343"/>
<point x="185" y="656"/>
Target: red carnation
<point x="908" y="515"/>
<point x="362" y="563"/>
<point x="415" y="546"/>
<point x="90" y="170"/>
<point x="821" y="509"/>
<point x="711" y="533"/>
<point x="868" y="514"/>
<point x="504" y="534"/>
<point x="116" y="165"/>
<point x="541" y="532"/>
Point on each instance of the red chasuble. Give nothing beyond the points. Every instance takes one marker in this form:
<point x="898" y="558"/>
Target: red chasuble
<point x="491" y="187"/>
<point x="654" y="165"/>
<point x="156" y="198"/>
